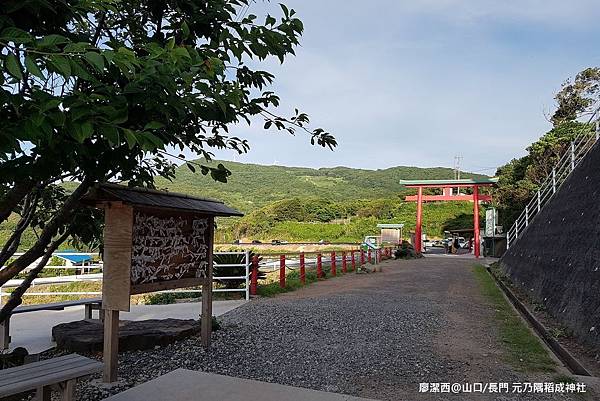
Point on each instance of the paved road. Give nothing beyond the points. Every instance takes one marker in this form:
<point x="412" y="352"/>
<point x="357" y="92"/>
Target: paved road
<point x="369" y="335"/>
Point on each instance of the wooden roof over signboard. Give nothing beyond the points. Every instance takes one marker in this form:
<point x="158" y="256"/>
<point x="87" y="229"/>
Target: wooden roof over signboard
<point x="151" y="198"/>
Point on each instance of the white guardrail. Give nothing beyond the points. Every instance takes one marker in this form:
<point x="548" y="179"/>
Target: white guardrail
<point x="87" y="275"/>
<point x="577" y="150"/>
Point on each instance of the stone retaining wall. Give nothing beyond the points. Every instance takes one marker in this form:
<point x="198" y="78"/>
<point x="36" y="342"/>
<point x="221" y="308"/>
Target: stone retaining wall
<point x="557" y="259"/>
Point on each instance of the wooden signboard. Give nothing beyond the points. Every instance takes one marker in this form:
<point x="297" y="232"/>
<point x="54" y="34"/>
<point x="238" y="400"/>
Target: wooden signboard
<point x="153" y="250"/>
<point x="148" y="250"/>
<point x="153" y="241"/>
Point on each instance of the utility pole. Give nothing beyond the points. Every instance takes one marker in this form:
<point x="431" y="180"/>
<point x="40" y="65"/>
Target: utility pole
<point x="457" y="160"/>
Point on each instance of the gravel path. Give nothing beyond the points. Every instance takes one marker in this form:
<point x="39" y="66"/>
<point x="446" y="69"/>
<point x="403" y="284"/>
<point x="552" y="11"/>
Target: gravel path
<point x="371" y="335"/>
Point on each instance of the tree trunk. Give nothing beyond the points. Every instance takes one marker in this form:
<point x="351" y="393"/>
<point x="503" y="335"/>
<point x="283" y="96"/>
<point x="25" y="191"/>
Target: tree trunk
<point x="16" y="297"/>
<point x="14" y="196"/>
<point x="50" y="230"/>
<point x="11" y="246"/>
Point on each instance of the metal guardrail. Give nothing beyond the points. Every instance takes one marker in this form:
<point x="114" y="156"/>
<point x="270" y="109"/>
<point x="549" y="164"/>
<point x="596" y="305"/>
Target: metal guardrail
<point x="98" y="277"/>
<point x="577" y="150"/>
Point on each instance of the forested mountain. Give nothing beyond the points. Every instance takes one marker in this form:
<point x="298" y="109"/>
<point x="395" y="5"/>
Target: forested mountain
<point x="305" y="204"/>
<point x="252" y="186"/>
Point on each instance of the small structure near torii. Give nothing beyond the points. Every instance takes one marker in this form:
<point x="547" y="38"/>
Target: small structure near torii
<point x="391" y="233"/>
<point x="153" y="240"/>
<point x="447" y="187"/>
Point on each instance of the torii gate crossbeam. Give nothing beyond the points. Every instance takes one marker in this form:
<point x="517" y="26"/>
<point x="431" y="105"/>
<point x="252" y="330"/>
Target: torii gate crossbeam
<point x="446" y="186"/>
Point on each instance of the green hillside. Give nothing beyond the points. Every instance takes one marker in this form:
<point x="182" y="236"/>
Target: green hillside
<point x="313" y="219"/>
<point x="303" y="204"/>
<point x="252" y="186"/>
<point x="339" y="204"/>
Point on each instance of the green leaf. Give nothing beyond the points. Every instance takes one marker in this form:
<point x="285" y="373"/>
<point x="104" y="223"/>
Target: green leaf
<point x="13" y="66"/>
<point x="111" y="134"/>
<point x="153" y="125"/>
<point x="78" y="47"/>
<point x="33" y="68"/>
<point x="286" y="12"/>
<point x="61" y="65"/>
<point x="149" y="142"/>
<point x="80" y="132"/>
<point x="170" y="43"/>
<point x="16" y="35"/>
<point x="182" y="52"/>
<point x="95" y="59"/>
<point x="185" y="29"/>
<point x="120" y="116"/>
<point x="270" y="20"/>
<point x="50" y="104"/>
<point x="78" y="71"/>
<point x="87" y="129"/>
<point x="52" y="40"/>
<point x="130" y="137"/>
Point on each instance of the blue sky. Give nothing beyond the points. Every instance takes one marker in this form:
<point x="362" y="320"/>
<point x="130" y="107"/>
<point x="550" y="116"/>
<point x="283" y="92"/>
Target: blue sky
<point x="418" y="82"/>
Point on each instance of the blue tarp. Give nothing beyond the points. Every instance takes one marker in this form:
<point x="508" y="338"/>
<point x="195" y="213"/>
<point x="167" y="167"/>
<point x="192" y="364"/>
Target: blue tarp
<point x="73" y="258"/>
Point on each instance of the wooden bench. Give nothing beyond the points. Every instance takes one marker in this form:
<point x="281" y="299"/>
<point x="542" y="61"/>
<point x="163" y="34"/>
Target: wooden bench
<point x="58" y="374"/>
<point x="89" y="303"/>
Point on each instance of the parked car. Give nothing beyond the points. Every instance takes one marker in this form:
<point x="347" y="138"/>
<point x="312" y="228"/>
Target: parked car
<point x="236" y="242"/>
<point x="255" y="241"/>
<point x="275" y="242"/>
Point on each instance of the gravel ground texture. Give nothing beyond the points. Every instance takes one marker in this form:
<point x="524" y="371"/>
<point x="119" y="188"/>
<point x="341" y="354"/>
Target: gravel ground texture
<point x="374" y="335"/>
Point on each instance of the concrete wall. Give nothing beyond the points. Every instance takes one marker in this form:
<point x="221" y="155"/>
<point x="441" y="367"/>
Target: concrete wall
<point x="557" y="260"/>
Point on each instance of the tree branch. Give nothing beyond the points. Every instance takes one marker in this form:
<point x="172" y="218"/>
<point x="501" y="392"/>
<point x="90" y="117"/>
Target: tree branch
<point x="16" y="297"/>
<point x="60" y="219"/>
<point x="11" y="246"/>
<point x="14" y="196"/>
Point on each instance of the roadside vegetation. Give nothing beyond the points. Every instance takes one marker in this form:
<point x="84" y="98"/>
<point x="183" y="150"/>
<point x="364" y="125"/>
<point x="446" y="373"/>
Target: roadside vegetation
<point x="524" y="351"/>
<point x="313" y="219"/>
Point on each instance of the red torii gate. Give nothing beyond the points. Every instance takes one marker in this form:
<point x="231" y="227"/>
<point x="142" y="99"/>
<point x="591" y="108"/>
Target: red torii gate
<point x="446" y="186"/>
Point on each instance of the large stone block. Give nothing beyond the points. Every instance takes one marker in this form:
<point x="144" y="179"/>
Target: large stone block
<point x="87" y="335"/>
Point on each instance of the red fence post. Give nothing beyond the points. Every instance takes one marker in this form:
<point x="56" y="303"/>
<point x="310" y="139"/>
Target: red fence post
<point x="333" y="271"/>
<point x="319" y="266"/>
<point x="353" y="260"/>
<point x="362" y="257"/>
<point x="369" y="254"/>
<point x="302" y="269"/>
<point x="254" y="277"/>
<point x="344" y="268"/>
<point x="282" y="271"/>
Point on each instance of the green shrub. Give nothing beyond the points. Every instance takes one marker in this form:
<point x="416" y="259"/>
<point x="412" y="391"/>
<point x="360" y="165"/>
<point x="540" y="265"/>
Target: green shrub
<point x="160" y="298"/>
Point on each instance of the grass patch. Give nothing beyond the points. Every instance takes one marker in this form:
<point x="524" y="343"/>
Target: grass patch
<point x="292" y="282"/>
<point x="564" y="379"/>
<point x="81" y="286"/>
<point x="524" y="351"/>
